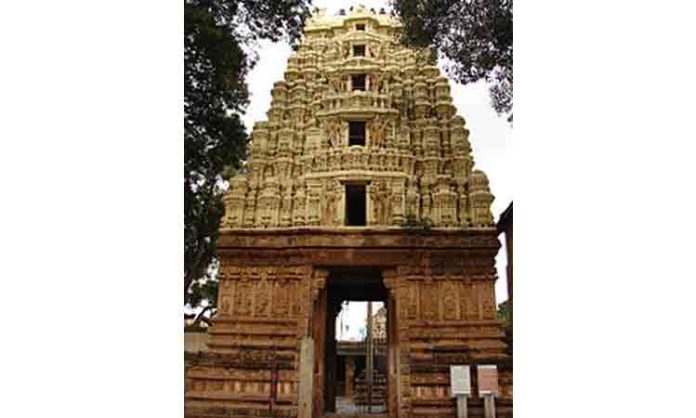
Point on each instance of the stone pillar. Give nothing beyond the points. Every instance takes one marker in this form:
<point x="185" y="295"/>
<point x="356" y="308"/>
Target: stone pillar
<point x="369" y="204"/>
<point x="369" y="358"/>
<point x="318" y="323"/>
<point x="398" y="205"/>
<point x="340" y="207"/>
<point x="306" y="378"/>
<point x="313" y="202"/>
<point x="350" y="371"/>
<point x="392" y="348"/>
<point x="334" y="306"/>
<point x="395" y="384"/>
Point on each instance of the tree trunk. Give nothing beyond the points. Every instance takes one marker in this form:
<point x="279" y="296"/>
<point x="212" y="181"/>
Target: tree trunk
<point x="196" y="268"/>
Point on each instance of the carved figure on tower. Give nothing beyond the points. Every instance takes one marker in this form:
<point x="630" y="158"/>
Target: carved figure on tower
<point x="378" y="131"/>
<point x="334" y="131"/>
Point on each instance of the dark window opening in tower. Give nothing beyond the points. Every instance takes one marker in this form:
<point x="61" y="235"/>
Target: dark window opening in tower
<point x="358" y="81"/>
<point x="358" y="50"/>
<point x="356" y="133"/>
<point x="356" y="209"/>
<point x="360" y="26"/>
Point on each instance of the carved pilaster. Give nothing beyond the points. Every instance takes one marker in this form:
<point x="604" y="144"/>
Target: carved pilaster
<point x="331" y="203"/>
<point x="390" y="280"/>
<point x="318" y="281"/>
<point x="462" y="205"/>
<point x="480" y="200"/>
<point x="269" y="203"/>
<point x="313" y="202"/>
<point x="299" y="206"/>
<point x="380" y="212"/>
<point x="286" y="206"/>
<point x="444" y="203"/>
<point x="250" y="208"/>
<point x="398" y="201"/>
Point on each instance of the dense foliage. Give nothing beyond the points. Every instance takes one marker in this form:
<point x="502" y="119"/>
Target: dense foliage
<point x="474" y="35"/>
<point x="218" y="39"/>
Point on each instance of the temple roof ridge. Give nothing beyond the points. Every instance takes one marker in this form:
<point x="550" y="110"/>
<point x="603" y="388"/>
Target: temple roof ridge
<point x="320" y="17"/>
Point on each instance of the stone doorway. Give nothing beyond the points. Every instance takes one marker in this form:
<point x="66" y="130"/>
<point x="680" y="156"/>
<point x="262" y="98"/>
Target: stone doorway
<point x="346" y="388"/>
<point x="273" y="300"/>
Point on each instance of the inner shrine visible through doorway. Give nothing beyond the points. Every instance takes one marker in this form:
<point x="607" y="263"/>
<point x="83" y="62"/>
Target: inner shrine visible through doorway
<point x="355" y="373"/>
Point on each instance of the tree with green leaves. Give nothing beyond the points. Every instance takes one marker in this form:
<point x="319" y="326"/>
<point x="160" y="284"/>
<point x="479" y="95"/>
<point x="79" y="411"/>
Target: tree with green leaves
<point x="502" y="312"/>
<point x="475" y="36"/>
<point x="218" y="35"/>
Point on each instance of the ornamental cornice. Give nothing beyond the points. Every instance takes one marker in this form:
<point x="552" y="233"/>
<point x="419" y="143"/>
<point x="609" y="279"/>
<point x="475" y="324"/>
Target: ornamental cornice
<point x="346" y="237"/>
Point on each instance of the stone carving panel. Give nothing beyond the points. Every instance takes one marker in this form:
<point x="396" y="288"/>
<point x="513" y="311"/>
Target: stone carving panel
<point x="262" y="291"/>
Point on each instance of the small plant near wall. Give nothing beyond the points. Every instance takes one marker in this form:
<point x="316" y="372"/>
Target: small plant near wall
<point x="413" y="223"/>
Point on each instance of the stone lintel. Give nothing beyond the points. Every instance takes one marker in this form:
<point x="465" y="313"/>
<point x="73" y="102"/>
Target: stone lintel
<point x="364" y="238"/>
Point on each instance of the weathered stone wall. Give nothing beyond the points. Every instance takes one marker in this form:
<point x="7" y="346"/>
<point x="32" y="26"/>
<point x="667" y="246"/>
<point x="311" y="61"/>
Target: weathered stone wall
<point x="262" y="318"/>
<point x="196" y="341"/>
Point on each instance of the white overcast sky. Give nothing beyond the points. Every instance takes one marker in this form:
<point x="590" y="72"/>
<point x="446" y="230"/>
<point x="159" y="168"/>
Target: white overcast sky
<point x="491" y="135"/>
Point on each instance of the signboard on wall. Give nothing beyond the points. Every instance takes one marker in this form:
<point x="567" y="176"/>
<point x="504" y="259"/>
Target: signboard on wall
<point x="488" y="380"/>
<point x="460" y="380"/>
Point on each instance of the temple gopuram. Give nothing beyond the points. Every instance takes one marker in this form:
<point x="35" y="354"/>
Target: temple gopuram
<point x="359" y="186"/>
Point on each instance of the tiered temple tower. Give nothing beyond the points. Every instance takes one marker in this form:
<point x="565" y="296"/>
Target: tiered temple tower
<point x="364" y="164"/>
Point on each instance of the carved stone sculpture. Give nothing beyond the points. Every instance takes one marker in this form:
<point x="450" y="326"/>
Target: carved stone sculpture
<point x="378" y="132"/>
